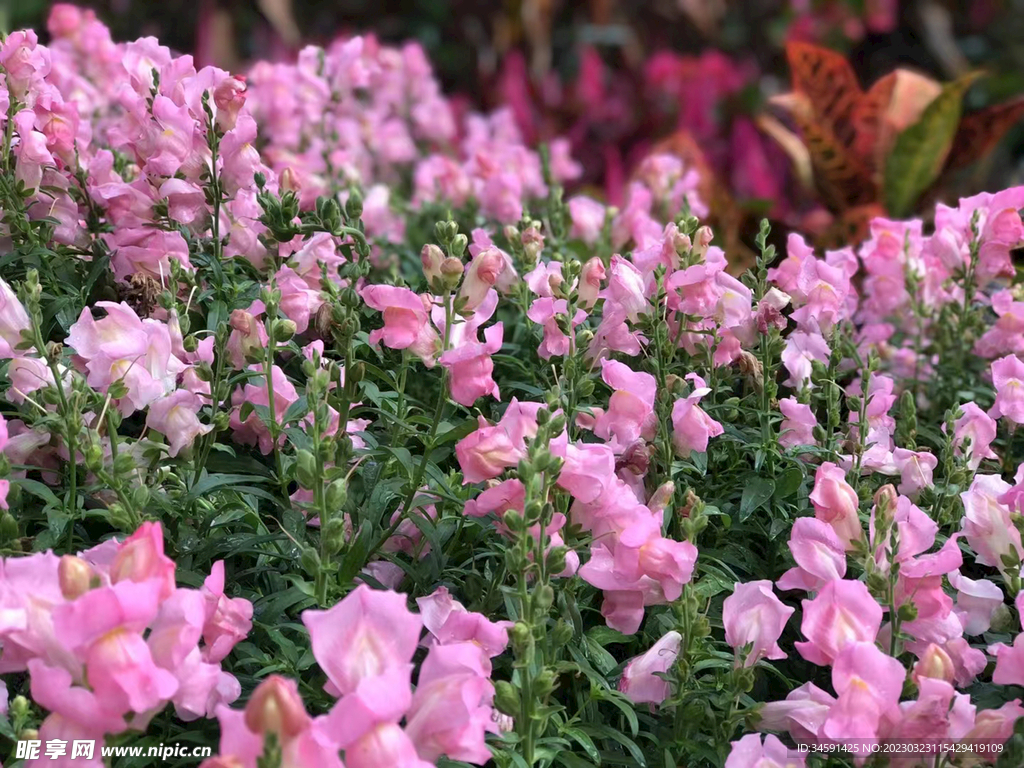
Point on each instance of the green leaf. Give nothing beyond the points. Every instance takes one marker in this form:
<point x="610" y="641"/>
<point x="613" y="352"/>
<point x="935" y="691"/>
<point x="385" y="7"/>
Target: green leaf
<point x="789" y="483"/>
<point x="211" y="482"/>
<point x="755" y="495"/>
<point x="584" y="741"/>
<point x="296" y="411"/>
<point x="920" y="150"/>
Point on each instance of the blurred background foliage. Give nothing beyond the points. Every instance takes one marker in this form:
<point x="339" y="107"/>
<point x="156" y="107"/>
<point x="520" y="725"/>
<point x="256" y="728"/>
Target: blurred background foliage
<point x="622" y="78"/>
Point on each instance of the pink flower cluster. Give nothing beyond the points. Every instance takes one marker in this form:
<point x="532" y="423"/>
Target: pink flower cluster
<point x="109" y="640"/>
<point x="365" y="645"/>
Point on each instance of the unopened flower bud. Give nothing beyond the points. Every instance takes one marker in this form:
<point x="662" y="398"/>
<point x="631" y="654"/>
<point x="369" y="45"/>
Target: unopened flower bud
<point x="354" y="205"/>
<point x="310" y="561"/>
<point x="337" y="494"/>
<point x="702" y="239"/>
<point x="334" y="534"/>
<point x="276" y="707"/>
<point x="8" y="526"/>
<point x="459" y="244"/>
<point x="432" y="258"/>
<point x="907" y="612"/>
<point x="520" y="634"/>
<point x="533" y="244"/>
<point x="305" y="468"/>
<point x="19" y="708"/>
<point x="562" y="633"/>
<point x="451" y="271"/>
<point x="506" y="697"/>
<point x="545" y="595"/>
<point x="289" y="181"/>
<point x="885" y="499"/>
<point x="229" y="96"/>
<point x="75" y="577"/>
<point x="662" y="497"/>
<point x="284" y="330"/>
<point x="590" y="282"/>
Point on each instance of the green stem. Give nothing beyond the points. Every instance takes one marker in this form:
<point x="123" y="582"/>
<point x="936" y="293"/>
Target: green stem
<point x="268" y="373"/>
<point x="428" y="444"/>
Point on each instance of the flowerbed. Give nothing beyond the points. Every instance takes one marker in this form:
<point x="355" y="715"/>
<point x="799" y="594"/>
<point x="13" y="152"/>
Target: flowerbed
<point x="332" y="434"/>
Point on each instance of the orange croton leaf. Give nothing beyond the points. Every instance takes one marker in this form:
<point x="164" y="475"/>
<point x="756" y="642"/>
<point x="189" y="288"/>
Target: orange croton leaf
<point x="842" y="177"/>
<point x="829" y="83"/>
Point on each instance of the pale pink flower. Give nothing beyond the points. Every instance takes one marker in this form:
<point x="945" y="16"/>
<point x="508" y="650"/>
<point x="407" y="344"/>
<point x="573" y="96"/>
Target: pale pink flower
<point x="754" y="616"/>
<point x="471" y="367"/>
<point x="175" y="416"/>
<point x="987" y="524"/>
<point x="798" y="425"/>
<point x="484" y="272"/>
<point x="976" y="602"/>
<point x="1008" y="378"/>
<point x="253" y="431"/>
<point x="448" y="621"/>
<point x="980" y="428"/>
<point x="625" y="291"/>
<point x="451" y="711"/>
<point x="819" y="554"/>
<point x="365" y="636"/>
<point x="843" y="612"/>
<point x="868" y="684"/>
<point x="639" y="682"/>
<point x="748" y="752"/>
<point x="406" y="321"/>
<point x="587" y="217"/>
<point x="915" y="469"/>
<point x="630" y="411"/>
<point x="13" y="320"/>
<point x="691" y="426"/>
<point x="836" y="502"/>
<point x="591" y="276"/>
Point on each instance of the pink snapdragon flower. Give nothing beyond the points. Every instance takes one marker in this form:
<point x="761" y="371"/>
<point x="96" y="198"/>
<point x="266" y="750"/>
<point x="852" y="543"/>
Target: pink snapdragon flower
<point x="1008" y="378"/>
<point x="406" y="321"/>
<point x="451" y="711"/>
<point x="980" y="428"/>
<point x="819" y="554"/>
<point x="639" y="681"/>
<point x="471" y="367"/>
<point x="121" y="347"/>
<point x="987" y="525"/>
<point x="364" y="637"/>
<point x="274" y="709"/>
<point x="546" y="312"/>
<point x="691" y="426"/>
<point x="630" y="411"/>
<point x="868" y="684"/>
<point x="625" y="291"/>
<point x="448" y="622"/>
<point x="253" y="431"/>
<point x="587" y="217"/>
<point x="176" y="417"/>
<point x="798" y="425"/>
<point x="749" y="752"/>
<point x="836" y="503"/>
<point x="915" y="469"/>
<point x="754" y="616"/>
<point x="843" y="612"/>
<point x="13" y="320"/>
